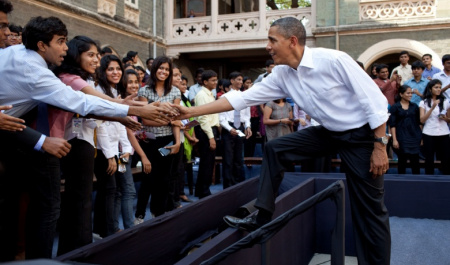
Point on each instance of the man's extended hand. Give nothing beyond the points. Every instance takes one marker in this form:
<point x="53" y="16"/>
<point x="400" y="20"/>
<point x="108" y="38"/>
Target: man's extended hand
<point x="183" y="111"/>
<point x="56" y="146"/>
<point x="9" y="123"/>
<point x="379" y="162"/>
<point x="160" y="112"/>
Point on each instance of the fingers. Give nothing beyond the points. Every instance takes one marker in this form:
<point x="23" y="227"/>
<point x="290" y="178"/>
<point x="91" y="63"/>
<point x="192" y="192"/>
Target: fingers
<point x="7" y="107"/>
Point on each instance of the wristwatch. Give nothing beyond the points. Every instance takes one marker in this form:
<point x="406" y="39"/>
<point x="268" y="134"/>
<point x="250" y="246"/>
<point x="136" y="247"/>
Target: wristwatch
<point x="384" y="140"/>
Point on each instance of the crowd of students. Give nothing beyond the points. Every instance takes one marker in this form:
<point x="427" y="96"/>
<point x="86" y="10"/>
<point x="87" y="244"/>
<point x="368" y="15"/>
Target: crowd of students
<point x="107" y="146"/>
<point x="419" y="112"/>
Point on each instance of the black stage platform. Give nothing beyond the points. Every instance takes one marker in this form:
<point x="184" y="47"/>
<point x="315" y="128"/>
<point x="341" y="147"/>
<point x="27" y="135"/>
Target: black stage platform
<point x="166" y="239"/>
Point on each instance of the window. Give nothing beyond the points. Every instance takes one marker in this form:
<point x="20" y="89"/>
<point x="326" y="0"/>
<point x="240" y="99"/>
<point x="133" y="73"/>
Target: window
<point x="132" y="3"/>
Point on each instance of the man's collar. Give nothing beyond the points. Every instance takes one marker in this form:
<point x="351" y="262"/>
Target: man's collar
<point x="307" y="59"/>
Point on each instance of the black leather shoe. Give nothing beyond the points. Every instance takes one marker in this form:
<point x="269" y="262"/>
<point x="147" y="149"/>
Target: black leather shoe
<point x="247" y="223"/>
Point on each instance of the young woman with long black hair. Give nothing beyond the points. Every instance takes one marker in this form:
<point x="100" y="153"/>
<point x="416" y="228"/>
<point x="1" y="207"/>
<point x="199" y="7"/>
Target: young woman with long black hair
<point x="110" y="136"/>
<point x="158" y="88"/>
<point x="434" y="114"/>
<point x="406" y="130"/>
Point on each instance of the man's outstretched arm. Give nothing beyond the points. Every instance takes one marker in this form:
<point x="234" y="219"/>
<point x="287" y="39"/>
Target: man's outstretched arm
<point x="220" y="105"/>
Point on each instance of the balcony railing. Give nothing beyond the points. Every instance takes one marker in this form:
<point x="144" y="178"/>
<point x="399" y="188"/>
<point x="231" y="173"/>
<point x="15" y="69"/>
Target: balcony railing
<point x="382" y="10"/>
<point x="232" y="26"/>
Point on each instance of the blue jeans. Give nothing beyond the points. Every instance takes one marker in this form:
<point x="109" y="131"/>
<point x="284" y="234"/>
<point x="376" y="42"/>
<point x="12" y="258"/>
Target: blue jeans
<point x="125" y="193"/>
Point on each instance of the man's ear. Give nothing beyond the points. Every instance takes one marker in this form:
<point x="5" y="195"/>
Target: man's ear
<point x="293" y="41"/>
<point x="41" y="46"/>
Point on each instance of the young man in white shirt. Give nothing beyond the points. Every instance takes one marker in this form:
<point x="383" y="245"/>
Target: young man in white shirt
<point x="404" y="69"/>
<point x="333" y="89"/>
<point x="444" y="76"/>
<point x="235" y="124"/>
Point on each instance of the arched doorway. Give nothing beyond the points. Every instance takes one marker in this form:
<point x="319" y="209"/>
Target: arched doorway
<point x="387" y="52"/>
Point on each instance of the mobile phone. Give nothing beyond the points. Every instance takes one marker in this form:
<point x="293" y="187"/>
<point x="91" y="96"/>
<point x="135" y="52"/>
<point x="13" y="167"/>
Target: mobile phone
<point x="164" y="151"/>
<point x="192" y="124"/>
<point x="240" y="134"/>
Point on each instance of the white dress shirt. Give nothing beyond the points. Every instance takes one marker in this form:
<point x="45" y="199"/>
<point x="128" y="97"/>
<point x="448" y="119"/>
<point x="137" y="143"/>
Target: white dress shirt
<point x="433" y="125"/>
<point x="225" y="118"/>
<point x="27" y="81"/>
<point x="404" y="71"/>
<point x="328" y="85"/>
<point x="112" y="133"/>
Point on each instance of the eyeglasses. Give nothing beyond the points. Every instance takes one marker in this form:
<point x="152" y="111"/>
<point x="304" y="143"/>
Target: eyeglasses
<point x="13" y="36"/>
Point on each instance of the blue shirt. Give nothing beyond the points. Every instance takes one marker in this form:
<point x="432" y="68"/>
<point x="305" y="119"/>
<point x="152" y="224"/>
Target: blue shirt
<point x="420" y="86"/>
<point x="429" y="73"/>
<point x="27" y="81"/>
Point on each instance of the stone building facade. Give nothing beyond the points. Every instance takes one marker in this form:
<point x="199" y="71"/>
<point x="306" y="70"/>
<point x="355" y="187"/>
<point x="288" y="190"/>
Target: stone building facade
<point x="232" y="34"/>
<point x="122" y="25"/>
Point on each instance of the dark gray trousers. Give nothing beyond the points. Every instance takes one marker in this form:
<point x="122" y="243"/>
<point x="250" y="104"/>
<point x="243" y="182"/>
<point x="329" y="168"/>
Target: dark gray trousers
<point x="369" y="214"/>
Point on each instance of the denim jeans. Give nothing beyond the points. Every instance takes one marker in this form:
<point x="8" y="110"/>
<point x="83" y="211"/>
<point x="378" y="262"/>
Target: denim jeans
<point x="125" y="193"/>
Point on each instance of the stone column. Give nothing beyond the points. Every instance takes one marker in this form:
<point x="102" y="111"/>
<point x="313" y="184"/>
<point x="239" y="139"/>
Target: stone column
<point x="214" y="16"/>
<point x="262" y="16"/>
<point x="168" y="19"/>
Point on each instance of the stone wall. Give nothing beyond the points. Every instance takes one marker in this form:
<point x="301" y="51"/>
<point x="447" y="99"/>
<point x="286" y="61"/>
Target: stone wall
<point x="81" y="18"/>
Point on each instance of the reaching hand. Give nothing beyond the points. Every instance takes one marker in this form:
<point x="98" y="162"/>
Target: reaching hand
<point x="159" y="112"/>
<point x="9" y="123"/>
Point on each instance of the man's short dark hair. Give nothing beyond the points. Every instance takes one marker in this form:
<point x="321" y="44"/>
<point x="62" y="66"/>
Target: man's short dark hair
<point x="15" y="28"/>
<point x="199" y="71"/>
<point x="445" y="58"/>
<point x="42" y="29"/>
<point x="131" y="54"/>
<point x="106" y="50"/>
<point x="404" y="52"/>
<point x="206" y="75"/>
<point x="418" y="64"/>
<point x="125" y="60"/>
<point x="269" y="62"/>
<point x="148" y="60"/>
<point x="138" y="67"/>
<point x="381" y="66"/>
<point x="427" y="54"/>
<point x="290" y="26"/>
<point x="6" y="6"/>
<point x="183" y="77"/>
<point x="235" y="74"/>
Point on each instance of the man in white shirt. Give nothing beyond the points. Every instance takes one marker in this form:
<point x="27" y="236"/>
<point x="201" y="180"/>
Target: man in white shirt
<point x="331" y="87"/>
<point x="444" y="76"/>
<point x="26" y="83"/>
<point x="404" y="69"/>
<point x="234" y="123"/>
